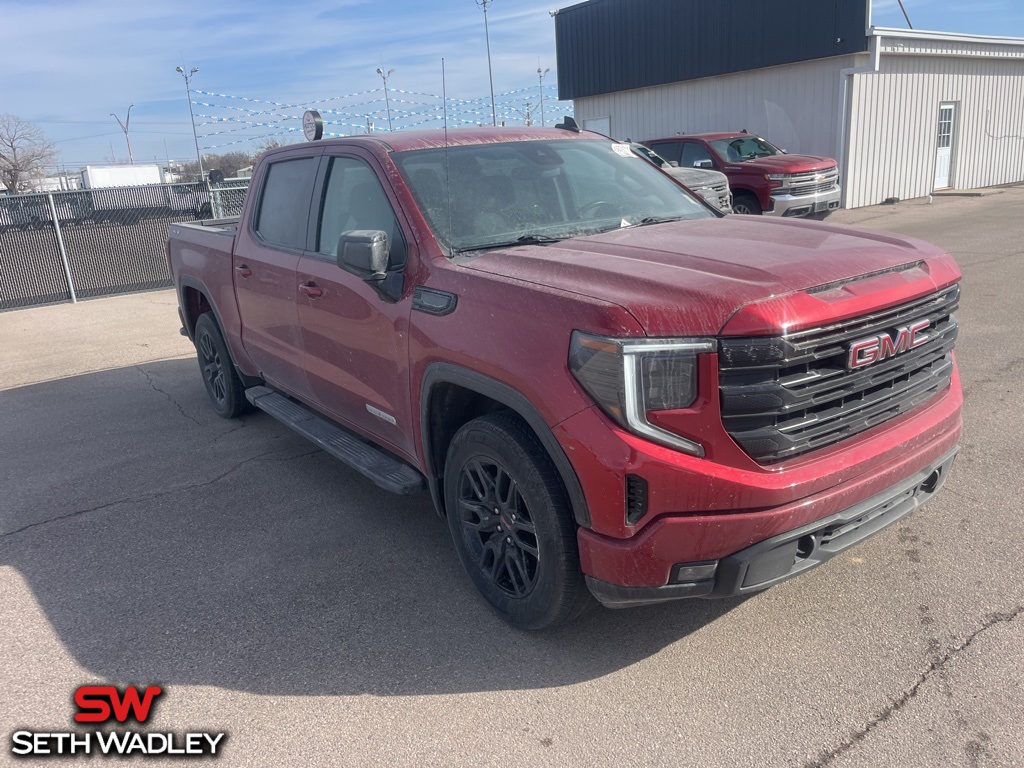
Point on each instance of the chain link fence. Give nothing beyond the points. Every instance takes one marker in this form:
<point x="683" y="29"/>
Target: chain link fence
<point x="61" y="246"/>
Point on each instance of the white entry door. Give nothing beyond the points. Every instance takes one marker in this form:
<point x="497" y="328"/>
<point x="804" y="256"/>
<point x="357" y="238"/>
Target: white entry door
<point x="599" y="124"/>
<point x="944" y="153"/>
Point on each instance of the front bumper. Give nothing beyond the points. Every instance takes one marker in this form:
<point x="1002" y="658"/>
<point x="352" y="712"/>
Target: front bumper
<point x="717" y="198"/>
<point x="789" y="554"/>
<point x="805" y="205"/>
<point x="702" y="511"/>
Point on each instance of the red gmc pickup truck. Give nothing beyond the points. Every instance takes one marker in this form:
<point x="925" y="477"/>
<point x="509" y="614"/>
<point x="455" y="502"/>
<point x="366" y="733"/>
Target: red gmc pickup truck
<point x="607" y="387"/>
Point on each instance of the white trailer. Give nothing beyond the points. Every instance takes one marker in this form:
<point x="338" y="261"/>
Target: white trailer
<point x="104" y="176"/>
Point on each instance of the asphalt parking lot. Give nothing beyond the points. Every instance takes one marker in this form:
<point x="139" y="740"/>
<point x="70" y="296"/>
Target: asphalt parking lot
<point x="278" y="596"/>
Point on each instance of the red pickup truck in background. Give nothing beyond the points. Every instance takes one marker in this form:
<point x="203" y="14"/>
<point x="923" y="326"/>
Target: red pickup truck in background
<point x="764" y="179"/>
<point x="608" y="388"/>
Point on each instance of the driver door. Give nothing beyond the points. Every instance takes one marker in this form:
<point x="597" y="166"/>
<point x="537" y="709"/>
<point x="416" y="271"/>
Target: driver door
<point x="355" y="342"/>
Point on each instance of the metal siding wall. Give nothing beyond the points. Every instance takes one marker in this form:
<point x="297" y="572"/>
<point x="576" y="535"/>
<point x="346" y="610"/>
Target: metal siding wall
<point x="795" y="106"/>
<point x="607" y="46"/>
<point x="894" y="125"/>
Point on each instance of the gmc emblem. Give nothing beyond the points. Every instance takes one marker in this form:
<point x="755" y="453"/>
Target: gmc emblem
<point x="871" y="350"/>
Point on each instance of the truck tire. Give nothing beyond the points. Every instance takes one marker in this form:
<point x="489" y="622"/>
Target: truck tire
<point x="744" y="202"/>
<point x="512" y="524"/>
<point x="225" y="388"/>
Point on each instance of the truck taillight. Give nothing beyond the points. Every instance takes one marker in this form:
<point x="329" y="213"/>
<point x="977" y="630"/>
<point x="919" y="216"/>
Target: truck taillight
<point x="628" y="378"/>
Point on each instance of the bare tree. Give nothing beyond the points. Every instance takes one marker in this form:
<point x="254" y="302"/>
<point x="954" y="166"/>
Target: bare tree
<point x="229" y="163"/>
<point x="24" y="152"/>
<point x="265" y="144"/>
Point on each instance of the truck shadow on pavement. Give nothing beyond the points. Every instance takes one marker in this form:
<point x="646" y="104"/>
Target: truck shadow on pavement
<point x="166" y="545"/>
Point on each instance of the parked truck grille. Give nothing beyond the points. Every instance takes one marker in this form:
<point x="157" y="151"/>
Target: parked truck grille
<point x="810" y="183"/>
<point x="786" y="396"/>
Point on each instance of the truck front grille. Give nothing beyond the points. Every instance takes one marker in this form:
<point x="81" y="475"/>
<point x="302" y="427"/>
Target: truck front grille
<point x="810" y="183"/>
<point x="786" y="396"/>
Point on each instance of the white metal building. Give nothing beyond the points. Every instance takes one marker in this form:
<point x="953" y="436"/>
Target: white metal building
<point x="913" y="113"/>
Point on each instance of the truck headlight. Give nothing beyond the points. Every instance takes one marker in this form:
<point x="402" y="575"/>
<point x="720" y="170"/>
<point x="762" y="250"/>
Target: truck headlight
<point x="628" y="378"/>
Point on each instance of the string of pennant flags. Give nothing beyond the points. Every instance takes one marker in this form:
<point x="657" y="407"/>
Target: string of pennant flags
<point x="225" y="120"/>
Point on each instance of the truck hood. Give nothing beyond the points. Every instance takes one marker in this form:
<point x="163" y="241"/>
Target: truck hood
<point x="696" y="177"/>
<point x="784" y="164"/>
<point x="688" y="278"/>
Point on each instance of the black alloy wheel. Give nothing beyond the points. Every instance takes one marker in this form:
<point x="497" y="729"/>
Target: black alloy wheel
<point x="498" y="527"/>
<point x="512" y="523"/>
<point x="223" y="385"/>
<point x="213" y="369"/>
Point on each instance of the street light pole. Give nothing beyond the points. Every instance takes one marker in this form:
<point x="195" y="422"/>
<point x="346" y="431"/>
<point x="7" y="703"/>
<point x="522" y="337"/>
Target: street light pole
<point x="124" y="127"/>
<point x="490" y="74"/>
<point x="385" y="77"/>
<point x="540" y="79"/>
<point x="191" y="114"/>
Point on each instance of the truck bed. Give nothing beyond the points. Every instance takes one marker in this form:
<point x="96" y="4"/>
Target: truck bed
<point x="219" y="226"/>
<point x="200" y="256"/>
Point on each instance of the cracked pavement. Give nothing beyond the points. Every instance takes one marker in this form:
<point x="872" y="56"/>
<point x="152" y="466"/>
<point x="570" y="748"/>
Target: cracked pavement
<point x="281" y="597"/>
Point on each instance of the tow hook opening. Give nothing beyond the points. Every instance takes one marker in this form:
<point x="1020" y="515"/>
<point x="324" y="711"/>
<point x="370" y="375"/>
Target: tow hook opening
<point x="806" y="545"/>
<point x="932" y="482"/>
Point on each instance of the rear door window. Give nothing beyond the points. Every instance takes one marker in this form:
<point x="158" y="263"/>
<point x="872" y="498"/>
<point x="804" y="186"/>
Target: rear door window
<point x="667" y="149"/>
<point x="283" y="214"/>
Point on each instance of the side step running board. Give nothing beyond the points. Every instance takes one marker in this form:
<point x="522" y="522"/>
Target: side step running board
<point x="384" y="470"/>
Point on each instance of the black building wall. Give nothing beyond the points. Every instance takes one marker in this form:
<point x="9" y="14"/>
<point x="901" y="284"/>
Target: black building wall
<point x="605" y="46"/>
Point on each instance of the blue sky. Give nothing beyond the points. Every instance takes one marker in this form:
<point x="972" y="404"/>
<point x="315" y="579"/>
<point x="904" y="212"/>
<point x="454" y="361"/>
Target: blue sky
<point x="71" y="63"/>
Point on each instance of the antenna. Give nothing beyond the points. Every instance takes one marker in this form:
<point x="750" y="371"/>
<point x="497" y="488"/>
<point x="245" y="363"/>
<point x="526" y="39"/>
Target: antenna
<point x="447" y="176"/>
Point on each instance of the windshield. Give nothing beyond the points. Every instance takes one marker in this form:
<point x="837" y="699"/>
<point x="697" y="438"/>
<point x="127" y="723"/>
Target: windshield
<point x="538" y="191"/>
<point x="740" y="148"/>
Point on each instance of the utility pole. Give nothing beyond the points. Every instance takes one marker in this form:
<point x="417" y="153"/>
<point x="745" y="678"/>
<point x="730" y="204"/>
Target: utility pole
<point x="527" y="112"/>
<point x="124" y="127"/>
<point x="540" y="80"/>
<point x="191" y="114"/>
<point x="385" y="77"/>
<point x="490" y="74"/>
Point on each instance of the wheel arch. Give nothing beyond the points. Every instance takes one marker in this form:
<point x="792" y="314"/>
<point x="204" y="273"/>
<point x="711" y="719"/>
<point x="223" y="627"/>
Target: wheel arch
<point x="194" y="300"/>
<point x="451" y="396"/>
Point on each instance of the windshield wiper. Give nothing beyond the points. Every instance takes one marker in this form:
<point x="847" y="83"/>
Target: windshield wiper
<point x="655" y="220"/>
<point x="523" y="240"/>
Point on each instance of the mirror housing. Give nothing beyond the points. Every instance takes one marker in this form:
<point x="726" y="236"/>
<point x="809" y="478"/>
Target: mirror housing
<point x="704" y="164"/>
<point x="673" y="163"/>
<point x="366" y="253"/>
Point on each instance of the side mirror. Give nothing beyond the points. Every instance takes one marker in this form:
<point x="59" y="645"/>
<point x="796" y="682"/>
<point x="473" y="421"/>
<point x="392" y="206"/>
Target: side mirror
<point x="366" y="253"/>
<point x="673" y="163"/>
<point x="704" y="164"/>
<point x="784" y="151"/>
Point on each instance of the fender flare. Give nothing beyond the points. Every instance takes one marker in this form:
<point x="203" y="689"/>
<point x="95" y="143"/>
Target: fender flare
<point x="187" y="281"/>
<point x="449" y="373"/>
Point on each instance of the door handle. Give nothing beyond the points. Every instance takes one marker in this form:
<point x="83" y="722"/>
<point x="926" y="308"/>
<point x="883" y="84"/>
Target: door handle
<point x="243" y="270"/>
<point x="312" y="290"/>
